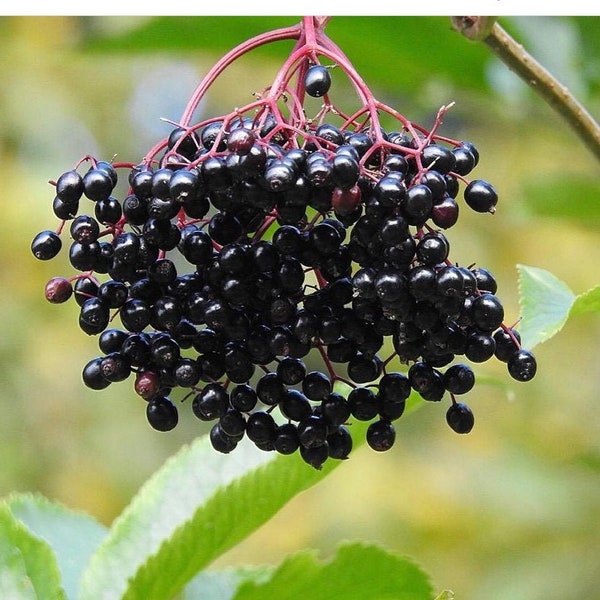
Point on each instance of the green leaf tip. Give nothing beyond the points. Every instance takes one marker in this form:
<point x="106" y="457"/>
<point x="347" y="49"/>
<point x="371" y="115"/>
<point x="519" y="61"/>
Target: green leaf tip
<point x="28" y="568"/>
<point x="71" y="535"/>
<point x="358" y="571"/>
<point x="197" y="506"/>
<point x="547" y="303"/>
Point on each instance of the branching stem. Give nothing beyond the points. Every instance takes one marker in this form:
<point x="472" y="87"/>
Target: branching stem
<point x="514" y="55"/>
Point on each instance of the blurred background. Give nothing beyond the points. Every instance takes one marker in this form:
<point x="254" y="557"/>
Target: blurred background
<point x="511" y="510"/>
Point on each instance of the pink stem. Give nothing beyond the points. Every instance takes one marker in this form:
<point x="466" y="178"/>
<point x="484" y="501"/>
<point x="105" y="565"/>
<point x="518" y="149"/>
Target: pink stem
<point x="286" y="33"/>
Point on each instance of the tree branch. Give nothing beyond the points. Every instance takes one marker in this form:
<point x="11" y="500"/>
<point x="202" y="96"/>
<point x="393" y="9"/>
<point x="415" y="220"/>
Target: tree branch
<point x="557" y="95"/>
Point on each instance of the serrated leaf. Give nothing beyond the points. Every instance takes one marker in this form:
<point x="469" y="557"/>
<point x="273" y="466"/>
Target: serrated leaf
<point x="192" y="510"/>
<point x="28" y="566"/>
<point x="358" y="571"/>
<point x="588" y="302"/>
<point x="14" y="582"/>
<point x="72" y="536"/>
<point x="224" y="583"/>
<point x="196" y="507"/>
<point x="545" y="304"/>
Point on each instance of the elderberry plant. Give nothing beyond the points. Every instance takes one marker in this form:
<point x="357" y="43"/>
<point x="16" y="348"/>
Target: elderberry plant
<point x="251" y="246"/>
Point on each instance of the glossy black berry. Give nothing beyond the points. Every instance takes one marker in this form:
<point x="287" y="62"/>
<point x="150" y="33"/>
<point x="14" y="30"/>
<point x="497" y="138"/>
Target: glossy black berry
<point x="339" y="443"/>
<point x="432" y="248"/>
<point x="270" y="389"/>
<point x="261" y="427"/>
<point x="439" y="158"/>
<point x="481" y="196"/>
<point x="315" y="456"/>
<point x="183" y="142"/>
<point x="335" y="409"/>
<point x="108" y="210"/>
<point x="459" y="379"/>
<point x="487" y="312"/>
<point x="220" y="441"/>
<point x="111" y="340"/>
<point x="316" y="385"/>
<point x="485" y="280"/>
<point x="291" y="370"/>
<point x="46" y="245"/>
<point x="460" y="417"/>
<point x="381" y="435"/>
<point x="97" y="184"/>
<point x="312" y="431"/>
<point x="507" y="343"/>
<point x="295" y="405"/>
<point x="94" y="316"/>
<point x="211" y="403"/>
<point x="426" y="381"/>
<point x="92" y="375"/>
<point x="69" y="186"/>
<point x="162" y="413"/>
<point x="363" y="404"/>
<point x="135" y="314"/>
<point x="522" y="365"/>
<point x="115" y="367"/>
<point x="286" y="439"/>
<point x="317" y="81"/>
<point x="466" y="158"/>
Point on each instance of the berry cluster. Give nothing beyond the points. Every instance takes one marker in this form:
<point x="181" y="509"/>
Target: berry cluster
<point x="289" y="274"/>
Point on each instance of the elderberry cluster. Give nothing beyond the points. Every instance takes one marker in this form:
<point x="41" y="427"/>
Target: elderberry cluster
<point x="285" y="281"/>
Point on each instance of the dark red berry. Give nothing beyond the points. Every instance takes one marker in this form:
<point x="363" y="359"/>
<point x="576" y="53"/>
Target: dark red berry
<point x="58" y="290"/>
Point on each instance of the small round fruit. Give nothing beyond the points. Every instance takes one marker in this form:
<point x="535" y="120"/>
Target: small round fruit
<point x="58" y="290"/>
<point x="481" y="196"/>
<point x="381" y="435"/>
<point x="317" y="81"/>
<point x="460" y="418"/>
<point x="46" y="245"/>
<point x="161" y="413"/>
<point x="522" y="365"/>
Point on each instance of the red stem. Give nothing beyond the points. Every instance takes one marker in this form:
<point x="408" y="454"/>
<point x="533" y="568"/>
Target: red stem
<point x="287" y="33"/>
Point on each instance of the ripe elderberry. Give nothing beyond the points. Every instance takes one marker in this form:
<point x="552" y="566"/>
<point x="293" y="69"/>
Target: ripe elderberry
<point x="250" y="245"/>
<point x="317" y="81"/>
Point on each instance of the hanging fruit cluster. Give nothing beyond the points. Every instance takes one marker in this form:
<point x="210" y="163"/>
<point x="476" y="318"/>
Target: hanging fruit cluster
<point x="284" y="273"/>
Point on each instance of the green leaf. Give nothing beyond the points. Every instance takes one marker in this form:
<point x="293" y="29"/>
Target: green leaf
<point x="72" y="536"/>
<point x="193" y="509"/>
<point x="547" y="303"/>
<point x="196" y="507"/>
<point x="28" y="566"/>
<point x="588" y="302"/>
<point x="14" y="582"/>
<point x="358" y="571"/>
<point x="224" y="583"/>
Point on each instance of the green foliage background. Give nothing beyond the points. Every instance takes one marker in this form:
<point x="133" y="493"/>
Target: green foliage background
<point x="510" y="511"/>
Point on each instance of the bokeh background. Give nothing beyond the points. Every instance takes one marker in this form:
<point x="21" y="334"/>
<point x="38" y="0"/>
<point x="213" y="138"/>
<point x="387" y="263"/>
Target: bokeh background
<point x="510" y="511"/>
